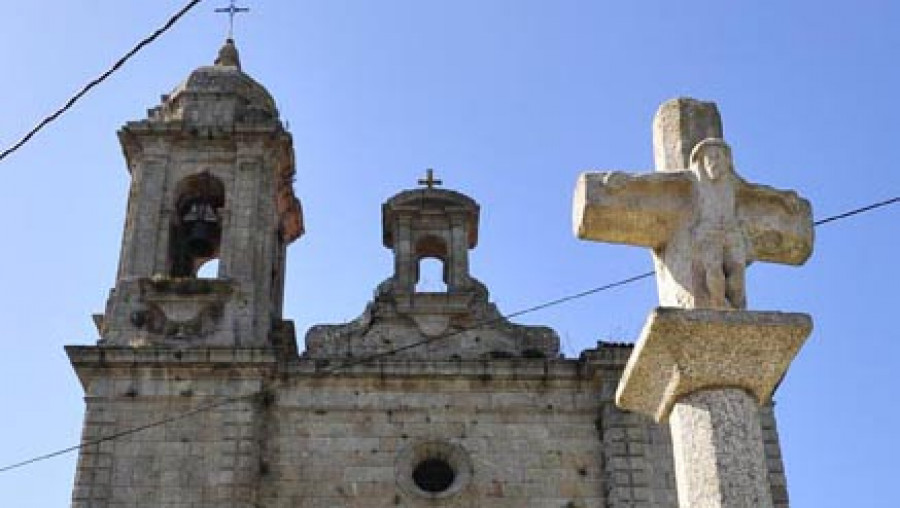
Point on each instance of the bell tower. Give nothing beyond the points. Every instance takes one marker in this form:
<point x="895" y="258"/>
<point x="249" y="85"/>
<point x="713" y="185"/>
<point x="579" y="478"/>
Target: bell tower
<point x="430" y="223"/>
<point x="458" y="322"/>
<point x="212" y="171"/>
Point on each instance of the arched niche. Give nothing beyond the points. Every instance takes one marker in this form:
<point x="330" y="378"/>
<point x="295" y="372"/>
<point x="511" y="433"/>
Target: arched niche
<point x="431" y="265"/>
<point x="196" y="227"/>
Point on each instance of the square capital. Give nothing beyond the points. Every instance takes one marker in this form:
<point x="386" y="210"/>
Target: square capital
<point x="682" y="351"/>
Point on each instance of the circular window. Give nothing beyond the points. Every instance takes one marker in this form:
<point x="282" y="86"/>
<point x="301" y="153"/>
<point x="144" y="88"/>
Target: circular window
<point x="433" y="469"/>
<point x="433" y="475"/>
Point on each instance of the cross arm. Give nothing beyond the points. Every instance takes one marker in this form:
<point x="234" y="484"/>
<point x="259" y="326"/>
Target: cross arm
<point x="642" y="210"/>
<point x="777" y="223"/>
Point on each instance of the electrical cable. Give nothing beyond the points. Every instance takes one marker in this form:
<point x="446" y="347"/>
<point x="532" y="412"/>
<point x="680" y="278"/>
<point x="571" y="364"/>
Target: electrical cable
<point x="857" y="211"/>
<point x="131" y="430"/>
<point x="500" y="318"/>
<point x="222" y="402"/>
<point x="575" y="296"/>
<point x="109" y="72"/>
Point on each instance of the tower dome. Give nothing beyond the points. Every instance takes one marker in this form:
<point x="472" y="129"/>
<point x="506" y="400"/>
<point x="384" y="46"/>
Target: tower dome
<point x="217" y="95"/>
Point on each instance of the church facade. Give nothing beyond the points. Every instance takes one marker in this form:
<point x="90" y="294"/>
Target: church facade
<point x="198" y="396"/>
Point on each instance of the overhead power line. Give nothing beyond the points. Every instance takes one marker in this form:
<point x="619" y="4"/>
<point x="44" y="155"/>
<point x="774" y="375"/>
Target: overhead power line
<point x="376" y="356"/>
<point x="99" y="79"/>
<point x="366" y="359"/>
<point x="534" y="308"/>
<point x="575" y="296"/>
<point x="132" y="430"/>
<point x="858" y="211"/>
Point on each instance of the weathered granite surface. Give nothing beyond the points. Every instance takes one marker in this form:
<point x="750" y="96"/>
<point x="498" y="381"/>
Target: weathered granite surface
<point x="212" y="171"/>
<point x="702" y="221"/>
<point x="196" y="396"/>
<point x="301" y="432"/>
<point x="719" y="451"/>
<point x="459" y="323"/>
<point x="682" y="351"/>
<point x="678" y="126"/>
<point x="702" y="353"/>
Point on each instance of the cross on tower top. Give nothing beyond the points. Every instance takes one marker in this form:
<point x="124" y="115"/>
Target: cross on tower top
<point x="430" y="181"/>
<point x="232" y="10"/>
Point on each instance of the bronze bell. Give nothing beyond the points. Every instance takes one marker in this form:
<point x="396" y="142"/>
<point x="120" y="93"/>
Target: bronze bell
<point x="202" y="230"/>
<point x="201" y="238"/>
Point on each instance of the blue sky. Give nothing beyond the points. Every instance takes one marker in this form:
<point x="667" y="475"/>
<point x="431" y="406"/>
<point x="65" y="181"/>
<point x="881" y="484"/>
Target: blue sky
<point x="508" y="100"/>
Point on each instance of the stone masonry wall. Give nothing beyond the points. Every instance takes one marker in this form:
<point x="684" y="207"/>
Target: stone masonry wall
<point x="528" y="436"/>
<point x="518" y="432"/>
<point x="210" y="460"/>
<point x="640" y="471"/>
<point x="202" y="457"/>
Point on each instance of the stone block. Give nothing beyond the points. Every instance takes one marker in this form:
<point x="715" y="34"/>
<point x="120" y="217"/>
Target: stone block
<point x="681" y="351"/>
<point x="678" y="126"/>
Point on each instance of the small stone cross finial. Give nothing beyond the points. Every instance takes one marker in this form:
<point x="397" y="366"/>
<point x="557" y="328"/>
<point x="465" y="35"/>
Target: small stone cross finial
<point x="430" y="181"/>
<point x="232" y="10"/>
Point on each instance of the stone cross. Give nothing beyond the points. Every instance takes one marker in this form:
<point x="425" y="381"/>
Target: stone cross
<point x="703" y="363"/>
<point x="703" y="222"/>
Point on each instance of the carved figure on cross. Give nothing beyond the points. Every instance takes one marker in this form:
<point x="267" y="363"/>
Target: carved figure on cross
<point x="704" y="224"/>
<point x="721" y="252"/>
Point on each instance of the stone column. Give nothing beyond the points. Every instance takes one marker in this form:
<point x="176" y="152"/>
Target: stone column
<point x="708" y="368"/>
<point x="707" y="372"/>
<point x="404" y="260"/>
<point x="458" y="253"/>
<point x="717" y="437"/>
<point x="147" y="200"/>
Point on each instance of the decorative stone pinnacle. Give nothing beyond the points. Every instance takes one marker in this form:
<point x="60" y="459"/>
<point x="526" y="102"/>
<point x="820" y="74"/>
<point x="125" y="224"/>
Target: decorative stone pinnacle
<point x="228" y="55"/>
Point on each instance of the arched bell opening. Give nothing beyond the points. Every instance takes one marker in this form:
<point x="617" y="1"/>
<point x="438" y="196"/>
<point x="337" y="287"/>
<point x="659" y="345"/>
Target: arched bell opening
<point x="196" y="230"/>
<point x="431" y="265"/>
<point x="432" y="276"/>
